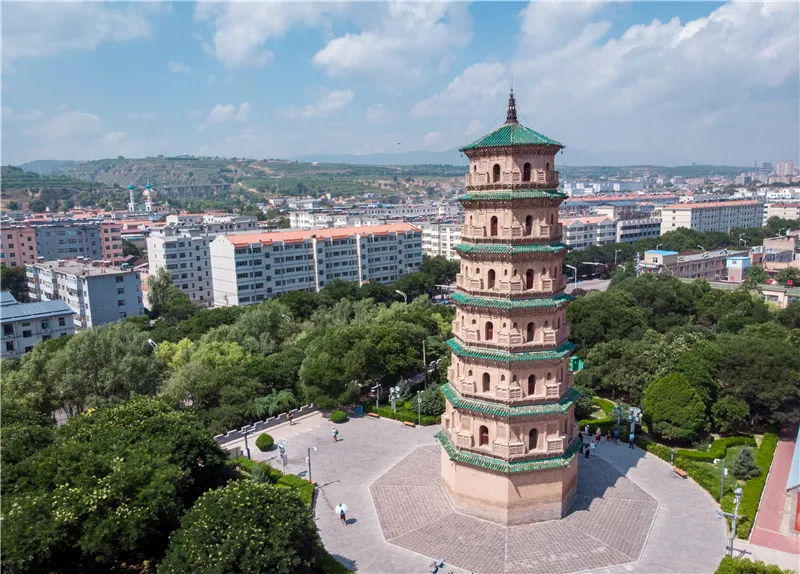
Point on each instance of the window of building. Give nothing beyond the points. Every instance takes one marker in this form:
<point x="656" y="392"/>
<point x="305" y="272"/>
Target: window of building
<point x="29" y="348"/>
<point x="496" y="173"/>
<point x="526" y="172"/>
<point x="121" y="290"/>
<point x="532" y="385"/>
<point x="27" y="333"/>
<point x="119" y="278"/>
<point x="120" y="302"/>
<point x="533" y="439"/>
<point x="483" y="436"/>
<point x="8" y="330"/>
<point x="10" y="346"/>
<point x="45" y="324"/>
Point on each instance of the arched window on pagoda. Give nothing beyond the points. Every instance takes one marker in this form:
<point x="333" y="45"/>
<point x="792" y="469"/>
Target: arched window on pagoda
<point x="526" y="172"/>
<point x="531" y="331"/>
<point x="547" y="166"/>
<point x="529" y="279"/>
<point x="489" y="331"/>
<point x="533" y="439"/>
<point x="528" y="223"/>
<point x="486" y="383"/>
<point x="483" y="436"/>
<point x="496" y="173"/>
<point x="493" y="227"/>
<point x="531" y="385"/>
<point x="490" y="279"/>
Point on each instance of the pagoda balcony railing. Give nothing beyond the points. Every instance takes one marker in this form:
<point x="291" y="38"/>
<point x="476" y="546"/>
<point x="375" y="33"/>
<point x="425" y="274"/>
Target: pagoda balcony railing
<point x="513" y="234"/>
<point x="510" y="287"/>
<point x="552" y="390"/>
<point x="511" y="394"/>
<point x="506" y="448"/>
<point x="510" y="449"/>
<point x="539" y="178"/>
<point x="509" y="339"/>
<point x="508" y="393"/>
<point x="556" y="444"/>
<point x="514" y="339"/>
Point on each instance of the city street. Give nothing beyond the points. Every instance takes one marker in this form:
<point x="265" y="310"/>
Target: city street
<point x="589" y="285"/>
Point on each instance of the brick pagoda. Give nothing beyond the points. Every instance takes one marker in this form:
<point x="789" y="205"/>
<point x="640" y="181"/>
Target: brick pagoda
<point x="509" y="438"/>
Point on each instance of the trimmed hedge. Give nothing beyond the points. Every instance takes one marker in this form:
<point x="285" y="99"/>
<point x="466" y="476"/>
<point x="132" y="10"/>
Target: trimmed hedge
<point x="746" y="566"/>
<point x="248" y="465"/>
<point x="404" y="415"/>
<point x="264" y="442"/>
<point x="609" y="422"/>
<point x="303" y="488"/>
<point x="718" y="449"/>
<point x="338" y="417"/>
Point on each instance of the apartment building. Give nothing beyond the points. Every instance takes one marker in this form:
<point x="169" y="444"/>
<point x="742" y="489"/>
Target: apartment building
<point x="581" y="232"/>
<point x="18" y="245"/>
<point x="441" y="239"/>
<point x="412" y="211"/>
<point x="715" y="216"/>
<point x="185" y="255"/>
<point x="633" y="230"/>
<point x="782" y="210"/>
<point x="215" y="223"/>
<point x="64" y="240"/>
<point x="97" y="294"/>
<point x="111" y="242"/>
<point x="711" y="265"/>
<point x="248" y="268"/>
<point x="25" y="324"/>
<point x="316" y="220"/>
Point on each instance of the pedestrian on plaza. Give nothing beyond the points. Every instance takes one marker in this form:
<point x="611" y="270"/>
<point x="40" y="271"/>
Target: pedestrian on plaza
<point x="608" y="435"/>
<point x="586" y="452"/>
<point x="335" y="434"/>
<point x="586" y="430"/>
<point x="631" y="438"/>
<point x="592" y="447"/>
<point x="598" y="435"/>
<point x="616" y="435"/>
<point x="580" y="436"/>
<point x="290" y="416"/>
<point x="341" y="510"/>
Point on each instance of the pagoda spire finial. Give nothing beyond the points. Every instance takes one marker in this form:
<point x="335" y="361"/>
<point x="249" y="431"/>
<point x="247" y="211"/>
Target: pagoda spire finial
<point x="511" y="116"/>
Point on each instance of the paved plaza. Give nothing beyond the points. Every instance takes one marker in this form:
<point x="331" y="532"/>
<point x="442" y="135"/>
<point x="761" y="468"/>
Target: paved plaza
<point x="632" y="514"/>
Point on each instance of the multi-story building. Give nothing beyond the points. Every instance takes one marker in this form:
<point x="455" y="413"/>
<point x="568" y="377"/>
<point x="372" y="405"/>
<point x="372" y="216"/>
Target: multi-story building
<point x="18" y="245"/>
<point x="716" y="216"/>
<point x="64" y="240"/>
<point x="782" y="210"/>
<point x="25" y="324"/>
<point x="784" y="168"/>
<point x="111" y="242"/>
<point x="248" y="268"/>
<point x="321" y="219"/>
<point x="509" y="440"/>
<point x="186" y="256"/>
<point x="441" y="239"/>
<point x="581" y="232"/>
<point x="97" y="294"/>
<point x="635" y="229"/>
<point x="711" y="265"/>
<point x="214" y="223"/>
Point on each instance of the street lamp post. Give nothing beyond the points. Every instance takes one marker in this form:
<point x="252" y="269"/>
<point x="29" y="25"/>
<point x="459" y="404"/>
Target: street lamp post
<point x="308" y="460"/>
<point x="246" y="446"/>
<point x="405" y="297"/>
<point x="701" y="247"/>
<point x="737" y="498"/>
<point x="419" y="408"/>
<point x="377" y="390"/>
<point x="615" y="256"/>
<point x="394" y="394"/>
<point x="634" y="417"/>
<point x="575" y="271"/>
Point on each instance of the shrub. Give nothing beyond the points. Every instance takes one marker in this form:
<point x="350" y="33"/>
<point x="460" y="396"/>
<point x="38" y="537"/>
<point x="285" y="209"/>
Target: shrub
<point x="338" y="417"/>
<point x="303" y="488"/>
<point x="752" y="489"/>
<point x="585" y="403"/>
<point x="432" y="401"/>
<point x="718" y="449"/>
<point x="673" y="408"/>
<point x="744" y="466"/>
<point x="264" y="442"/>
<point x="746" y="566"/>
<point x="730" y="414"/>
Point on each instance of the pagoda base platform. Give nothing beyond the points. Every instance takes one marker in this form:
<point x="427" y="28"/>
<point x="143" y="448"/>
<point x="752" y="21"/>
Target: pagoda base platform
<point x="510" y="499"/>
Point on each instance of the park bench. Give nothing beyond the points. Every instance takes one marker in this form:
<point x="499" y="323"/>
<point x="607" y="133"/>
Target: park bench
<point x="412" y="425"/>
<point x="374" y="415"/>
<point x="680" y="472"/>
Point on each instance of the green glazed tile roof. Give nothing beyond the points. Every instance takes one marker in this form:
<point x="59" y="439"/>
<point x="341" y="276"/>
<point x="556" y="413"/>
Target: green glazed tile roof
<point x="511" y="134"/>
<point x="506" y="195"/>
<point x="506" y="304"/>
<point x="559" y="352"/>
<point x="505" y="249"/>
<point x="502" y="466"/>
<point x="503" y="410"/>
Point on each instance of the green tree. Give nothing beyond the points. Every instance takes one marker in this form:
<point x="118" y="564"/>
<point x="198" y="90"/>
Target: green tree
<point x="36" y="206"/>
<point x="130" y="249"/>
<point x="731" y="415"/>
<point x="13" y="206"/>
<point x="432" y="401"/>
<point x="756" y="275"/>
<point x="442" y="270"/>
<point x="167" y="300"/>
<point x="415" y="284"/>
<point x="673" y="409"/>
<point x="275" y="403"/>
<point x="109" y="489"/>
<point x="744" y="466"/>
<point x="605" y="317"/>
<point x="244" y="527"/>
<point x="13" y="279"/>
<point x="788" y="275"/>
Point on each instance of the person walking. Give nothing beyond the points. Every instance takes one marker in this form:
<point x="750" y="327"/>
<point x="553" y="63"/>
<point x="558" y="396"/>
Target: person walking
<point x="587" y="452"/>
<point x="335" y="433"/>
<point x="586" y="430"/>
<point x="631" y="438"/>
<point x="341" y="510"/>
<point x="608" y="435"/>
<point x="616" y="435"/>
<point x="592" y="447"/>
<point x="580" y="436"/>
<point x="290" y="416"/>
<point x="598" y="435"/>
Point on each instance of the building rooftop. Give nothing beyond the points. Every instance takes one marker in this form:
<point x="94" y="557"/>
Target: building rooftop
<point x="713" y="204"/>
<point x="245" y="239"/>
<point x="40" y="310"/>
<point x="700" y="255"/>
<point x="660" y="252"/>
<point x="73" y="267"/>
<point x="585" y="220"/>
<point x="6" y="298"/>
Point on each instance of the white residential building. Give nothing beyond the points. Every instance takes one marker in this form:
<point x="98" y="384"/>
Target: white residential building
<point x="782" y="210"/>
<point x="633" y="230"/>
<point x="441" y="239"/>
<point x="186" y="256"/>
<point x="215" y="223"/>
<point x="716" y="216"/>
<point x="97" y="294"/>
<point x="25" y="324"/>
<point x="248" y="268"/>
<point x="318" y="220"/>
<point x="581" y="232"/>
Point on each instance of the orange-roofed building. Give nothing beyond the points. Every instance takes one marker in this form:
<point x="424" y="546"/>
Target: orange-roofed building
<point x="247" y="268"/>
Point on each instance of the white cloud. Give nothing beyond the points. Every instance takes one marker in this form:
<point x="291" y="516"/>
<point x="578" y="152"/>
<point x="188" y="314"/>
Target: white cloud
<point x="35" y="29"/>
<point x="475" y="128"/>
<point x="177" y="68"/>
<point x="229" y="113"/>
<point x="377" y="115"/>
<point x="142" y="116"/>
<point x="477" y="88"/>
<point x="243" y="28"/>
<point x="195" y="113"/>
<point x="432" y="137"/>
<point x="67" y="125"/>
<point x="402" y="45"/>
<point x="325" y="106"/>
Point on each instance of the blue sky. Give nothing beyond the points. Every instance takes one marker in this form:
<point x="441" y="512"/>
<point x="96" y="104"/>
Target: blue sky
<point x="713" y="82"/>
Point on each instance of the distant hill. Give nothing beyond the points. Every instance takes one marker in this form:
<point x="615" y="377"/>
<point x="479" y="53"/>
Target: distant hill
<point x="49" y="166"/>
<point x="573" y="157"/>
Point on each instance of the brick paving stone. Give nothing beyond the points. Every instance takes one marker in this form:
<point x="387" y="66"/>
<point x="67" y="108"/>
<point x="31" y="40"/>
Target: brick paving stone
<point x="598" y="479"/>
<point x="420" y="468"/>
<point x="401" y="510"/>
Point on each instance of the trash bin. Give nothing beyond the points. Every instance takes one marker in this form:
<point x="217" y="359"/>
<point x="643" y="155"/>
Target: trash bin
<point x="359" y="411"/>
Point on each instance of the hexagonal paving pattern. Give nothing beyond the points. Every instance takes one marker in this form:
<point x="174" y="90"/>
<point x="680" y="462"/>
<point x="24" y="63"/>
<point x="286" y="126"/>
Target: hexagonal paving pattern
<point x="608" y="523"/>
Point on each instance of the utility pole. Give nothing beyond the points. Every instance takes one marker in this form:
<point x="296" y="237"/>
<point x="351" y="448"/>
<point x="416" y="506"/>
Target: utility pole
<point x="308" y="460"/>
<point x="737" y="498"/>
<point x="419" y="409"/>
<point x="722" y="486"/>
<point x="424" y="363"/>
